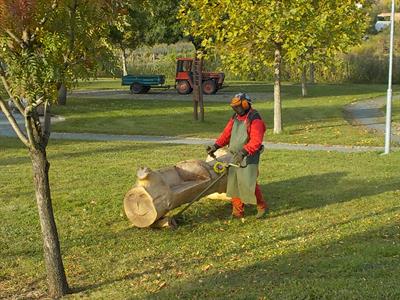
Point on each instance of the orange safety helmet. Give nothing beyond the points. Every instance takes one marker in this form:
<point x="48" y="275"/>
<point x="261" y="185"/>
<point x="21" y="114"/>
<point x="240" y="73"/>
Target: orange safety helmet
<point x="241" y="99"/>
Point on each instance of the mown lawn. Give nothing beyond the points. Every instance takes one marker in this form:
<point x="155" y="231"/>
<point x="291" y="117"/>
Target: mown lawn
<point x="333" y="232"/>
<point x="317" y="119"/>
<point x="99" y="84"/>
<point x="115" y="83"/>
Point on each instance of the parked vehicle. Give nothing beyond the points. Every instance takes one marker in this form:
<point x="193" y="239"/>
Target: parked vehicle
<point x="383" y="20"/>
<point x="211" y="81"/>
<point x="141" y="84"/>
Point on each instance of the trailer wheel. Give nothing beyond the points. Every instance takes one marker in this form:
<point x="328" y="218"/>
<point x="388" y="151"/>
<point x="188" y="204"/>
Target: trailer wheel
<point x="137" y="88"/>
<point x="209" y="87"/>
<point x="183" y="87"/>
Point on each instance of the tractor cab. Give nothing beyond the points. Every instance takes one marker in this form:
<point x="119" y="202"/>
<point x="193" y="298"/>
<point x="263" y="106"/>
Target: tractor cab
<point x="183" y="65"/>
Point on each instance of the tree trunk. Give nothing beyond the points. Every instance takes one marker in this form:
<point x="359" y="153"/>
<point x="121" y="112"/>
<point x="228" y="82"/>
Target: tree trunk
<point x="277" y="92"/>
<point x="312" y="73"/>
<point x="197" y="90"/>
<point x="124" y="63"/>
<point x="195" y="109"/>
<point x="62" y="94"/>
<point x="56" y="278"/>
<point x="304" y="82"/>
<point x="200" y="89"/>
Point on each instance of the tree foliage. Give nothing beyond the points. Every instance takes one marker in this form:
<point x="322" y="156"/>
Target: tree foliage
<point x="163" y="24"/>
<point x="146" y="23"/>
<point x="53" y="41"/>
<point x="246" y="33"/>
<point x="129" y="33"/>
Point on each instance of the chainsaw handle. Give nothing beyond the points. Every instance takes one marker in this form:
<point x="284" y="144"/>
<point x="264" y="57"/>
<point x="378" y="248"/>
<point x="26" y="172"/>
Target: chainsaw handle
<point x="237" y="166"/>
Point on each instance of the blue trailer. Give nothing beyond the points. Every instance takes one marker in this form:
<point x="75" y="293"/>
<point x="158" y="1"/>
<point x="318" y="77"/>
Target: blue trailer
<point x="141" y="84"/>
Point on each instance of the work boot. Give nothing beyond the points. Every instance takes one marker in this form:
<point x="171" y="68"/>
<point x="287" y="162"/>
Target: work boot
<point x="262" y="212"/>
<point x="237" y="208"/>
<point x="236" y="216"/>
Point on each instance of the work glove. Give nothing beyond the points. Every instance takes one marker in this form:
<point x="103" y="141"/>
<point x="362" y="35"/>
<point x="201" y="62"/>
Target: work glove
<point x="211" y="149"/>
<point x="239" y="156"/>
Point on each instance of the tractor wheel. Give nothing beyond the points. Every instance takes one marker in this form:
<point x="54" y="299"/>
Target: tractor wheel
<point x="183" y="87"/>
<point x="209" y="87"/>
<point x="137" y="88"/>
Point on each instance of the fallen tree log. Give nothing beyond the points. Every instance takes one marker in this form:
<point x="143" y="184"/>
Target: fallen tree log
<point x="156" y="192"/>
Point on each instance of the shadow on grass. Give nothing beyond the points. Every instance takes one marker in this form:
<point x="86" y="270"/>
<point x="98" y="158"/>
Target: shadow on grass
<point x="315" y="191"/>
<point x="285" y="275"/>
<point x="130" y="276"/>
<point x="325" y="260"/>
<point x="15" y="161"/>
<point x="128" y="147"/>
<point x="9" y="143"/>
<point x="359" y="266"/>
<point x="170" y="123"/>
<point x="296" y="194"/>
<point x="293" y="91"/>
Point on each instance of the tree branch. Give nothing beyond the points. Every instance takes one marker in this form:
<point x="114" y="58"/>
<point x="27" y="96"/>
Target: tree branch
<point x="29" y="128"/>
<point x="72" y="21"/>
<point x="45" y="18"/>
<point x="15" y="38"/>
<point x="38" y="102"/>
<point x="14" y="123"/>
<point x="7" y="87"/>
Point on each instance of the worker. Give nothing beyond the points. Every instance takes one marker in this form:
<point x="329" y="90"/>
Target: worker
<point x="244" y="134"/>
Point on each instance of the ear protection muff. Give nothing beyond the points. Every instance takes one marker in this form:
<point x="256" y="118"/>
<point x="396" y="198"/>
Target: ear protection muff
<point x="241" y="99"/>
<point x="245" y="103"/>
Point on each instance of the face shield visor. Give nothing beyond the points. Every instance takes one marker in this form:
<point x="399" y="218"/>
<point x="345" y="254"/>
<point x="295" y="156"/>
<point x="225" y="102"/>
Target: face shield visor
<point x="239" y="110"/>
<point x="237" y="105"/>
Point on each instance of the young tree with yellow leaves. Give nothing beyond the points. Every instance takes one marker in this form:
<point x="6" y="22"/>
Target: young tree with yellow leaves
<point x="37" y="51"/>
<point x="249" y="35"/>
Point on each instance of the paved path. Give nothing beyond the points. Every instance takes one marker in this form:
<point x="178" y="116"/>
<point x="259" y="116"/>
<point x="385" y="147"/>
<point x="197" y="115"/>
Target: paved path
<point x="164" y="95"/>
<point x="366" y="113"/>
<point x="5" y="130"/>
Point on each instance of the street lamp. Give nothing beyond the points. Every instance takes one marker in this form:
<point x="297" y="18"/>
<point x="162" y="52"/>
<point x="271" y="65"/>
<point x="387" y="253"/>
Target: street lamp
<point x="389" y="90"/>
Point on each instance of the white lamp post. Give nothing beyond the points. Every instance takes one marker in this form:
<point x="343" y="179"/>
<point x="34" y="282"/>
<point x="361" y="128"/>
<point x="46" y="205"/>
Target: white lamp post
<point x="389" y="90"/>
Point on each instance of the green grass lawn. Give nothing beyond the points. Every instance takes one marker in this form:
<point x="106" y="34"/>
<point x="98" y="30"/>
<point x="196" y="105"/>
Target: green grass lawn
<point x="99" y="84"/>
<point x="317" y="119"/>
<point x="115" y="83"/>
<point x="333" y="232"/>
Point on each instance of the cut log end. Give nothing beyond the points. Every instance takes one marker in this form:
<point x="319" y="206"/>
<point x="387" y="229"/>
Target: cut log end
<point x="139" y="207"/>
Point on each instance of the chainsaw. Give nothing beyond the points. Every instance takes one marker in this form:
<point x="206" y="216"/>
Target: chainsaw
<point x="220" y="168"/>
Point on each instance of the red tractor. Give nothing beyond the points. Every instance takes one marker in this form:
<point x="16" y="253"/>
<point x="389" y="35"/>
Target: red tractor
<point x="211" y="81"/>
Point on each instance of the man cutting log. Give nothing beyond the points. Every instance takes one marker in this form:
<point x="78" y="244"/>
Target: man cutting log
<point x="244" y="134"/>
